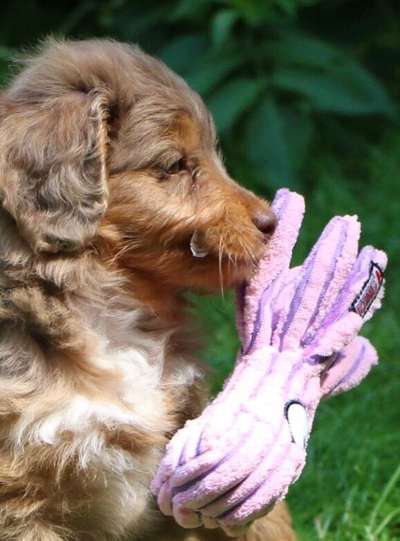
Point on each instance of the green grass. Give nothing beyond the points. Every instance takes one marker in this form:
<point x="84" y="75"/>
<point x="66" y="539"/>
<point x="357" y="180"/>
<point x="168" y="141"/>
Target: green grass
<point x="350" y="489"/>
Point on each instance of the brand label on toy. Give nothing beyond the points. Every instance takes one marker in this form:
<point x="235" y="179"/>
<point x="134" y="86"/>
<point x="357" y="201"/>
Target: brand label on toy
<point x="369" y="290"/>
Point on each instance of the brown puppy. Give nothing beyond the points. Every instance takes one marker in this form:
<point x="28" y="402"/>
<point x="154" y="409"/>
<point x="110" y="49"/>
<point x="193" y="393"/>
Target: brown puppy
<point x="110" y="189"/>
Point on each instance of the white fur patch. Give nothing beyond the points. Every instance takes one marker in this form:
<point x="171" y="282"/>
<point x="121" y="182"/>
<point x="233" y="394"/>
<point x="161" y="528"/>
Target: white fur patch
<point x="137" y="359"/>
<point x="139" y="392"/>
<point x="79" y="416"/>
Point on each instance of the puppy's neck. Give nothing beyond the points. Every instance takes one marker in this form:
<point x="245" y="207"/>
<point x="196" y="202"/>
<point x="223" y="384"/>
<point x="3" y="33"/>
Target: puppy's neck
<point x="163" y="304"/>
<point x="121" y="305"/>
<point x="86" y="291"/>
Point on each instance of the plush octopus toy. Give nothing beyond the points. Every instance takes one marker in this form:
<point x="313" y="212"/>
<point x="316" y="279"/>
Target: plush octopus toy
<point x="299" y="333"/>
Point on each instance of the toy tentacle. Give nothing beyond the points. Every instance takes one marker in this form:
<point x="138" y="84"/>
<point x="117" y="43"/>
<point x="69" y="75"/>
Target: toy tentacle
<point x="265" y="469"/>
<point x="194" y="470"/>
<point x="344" y="321"/>
<point x="289" y="209"/>
<point x="164" y="499"/>
<point x="343" y="257"/>
<point x="170" y="460"/>
<point x="356" y="280"/>
<point x="218" y="429"/>
<point x="266" y="492"/>
<point x="229" y="472"/>
<point x="272" y="438"/>
<point x="323" y="273"/>
<point x="334" y="338"/>
<point x="350" y="367"/>
<point x="186" y="518"/>
<point x="222" y="414"/>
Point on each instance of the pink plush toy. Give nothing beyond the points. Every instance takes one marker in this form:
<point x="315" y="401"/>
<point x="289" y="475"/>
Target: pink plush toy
<point x="298" y="327"/>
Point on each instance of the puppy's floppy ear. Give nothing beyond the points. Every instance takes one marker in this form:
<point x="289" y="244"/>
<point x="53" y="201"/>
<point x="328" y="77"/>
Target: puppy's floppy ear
<point x="53" y="175"/>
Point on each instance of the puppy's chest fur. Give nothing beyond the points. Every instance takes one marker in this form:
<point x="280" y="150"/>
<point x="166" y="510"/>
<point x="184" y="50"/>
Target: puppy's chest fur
<point x="89" y="398"/>
<point x="129" y="379"/>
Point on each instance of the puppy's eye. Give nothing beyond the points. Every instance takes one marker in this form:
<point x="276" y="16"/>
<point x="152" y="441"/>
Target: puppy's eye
<point x="177" y="167"/>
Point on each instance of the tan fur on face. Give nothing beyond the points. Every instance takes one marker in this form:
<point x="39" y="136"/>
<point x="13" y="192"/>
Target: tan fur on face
<point x="96" y="364"/>
<point x="152" y="217"/>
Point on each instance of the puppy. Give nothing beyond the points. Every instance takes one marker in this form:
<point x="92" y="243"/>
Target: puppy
<point x="114" y="203"/>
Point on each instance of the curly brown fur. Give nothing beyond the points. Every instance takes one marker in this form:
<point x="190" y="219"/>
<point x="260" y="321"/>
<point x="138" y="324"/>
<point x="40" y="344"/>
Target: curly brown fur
<point x="108" y="166"/>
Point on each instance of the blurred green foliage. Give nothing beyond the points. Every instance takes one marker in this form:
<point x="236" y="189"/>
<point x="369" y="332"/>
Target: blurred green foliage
<point x="305" y="94"/>
<point x="283" y="78"/>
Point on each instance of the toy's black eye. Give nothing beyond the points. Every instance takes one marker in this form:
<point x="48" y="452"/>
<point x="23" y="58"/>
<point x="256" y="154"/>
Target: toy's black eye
<point x="177" y="167"/>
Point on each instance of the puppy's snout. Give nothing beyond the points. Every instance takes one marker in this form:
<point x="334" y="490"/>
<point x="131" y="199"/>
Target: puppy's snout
<point x="265" y="221"/>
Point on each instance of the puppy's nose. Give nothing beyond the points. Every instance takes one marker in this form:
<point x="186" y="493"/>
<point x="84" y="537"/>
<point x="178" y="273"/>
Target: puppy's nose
<point x="265" y="221"/>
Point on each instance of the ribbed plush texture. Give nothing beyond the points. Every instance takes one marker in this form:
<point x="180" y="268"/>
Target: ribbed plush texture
<point x="298" y="329"/>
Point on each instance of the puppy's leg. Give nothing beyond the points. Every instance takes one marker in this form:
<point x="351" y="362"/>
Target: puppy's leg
<point x="276" y="526"/>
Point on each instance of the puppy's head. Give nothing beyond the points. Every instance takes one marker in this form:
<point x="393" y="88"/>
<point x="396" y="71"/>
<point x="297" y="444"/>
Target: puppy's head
<point x="102" y="147"/>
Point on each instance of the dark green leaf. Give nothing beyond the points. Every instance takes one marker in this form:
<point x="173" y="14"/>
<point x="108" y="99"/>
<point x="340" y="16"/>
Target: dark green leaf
<point x="190" y="10"/>
<point x="275" y="143"/>
<point x="232" y="100"/>
<point x="347" y="89"/>
<point x="131" y="22"/>
<point x="298" y="131"/>
<point x="222" y="25"/>
<point x="293" y="48"/>
<point x="289" y="6"/>
<point x="76" y="15"/>
<point x="254" y="12"/>
<point x="183" y="52"/>
<point x="210" y="71"/>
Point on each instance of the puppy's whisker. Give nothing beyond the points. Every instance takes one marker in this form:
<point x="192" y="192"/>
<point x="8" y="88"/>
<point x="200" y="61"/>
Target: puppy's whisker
<point x="127" y="248"/>
<point x="118" y="254"/>
<point x="229" y="263"/>
<point x="221" y="276"/>
<point x="249" y="253"/>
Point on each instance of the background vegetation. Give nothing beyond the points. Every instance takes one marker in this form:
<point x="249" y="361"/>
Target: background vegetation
<point x="305" y="94"/>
